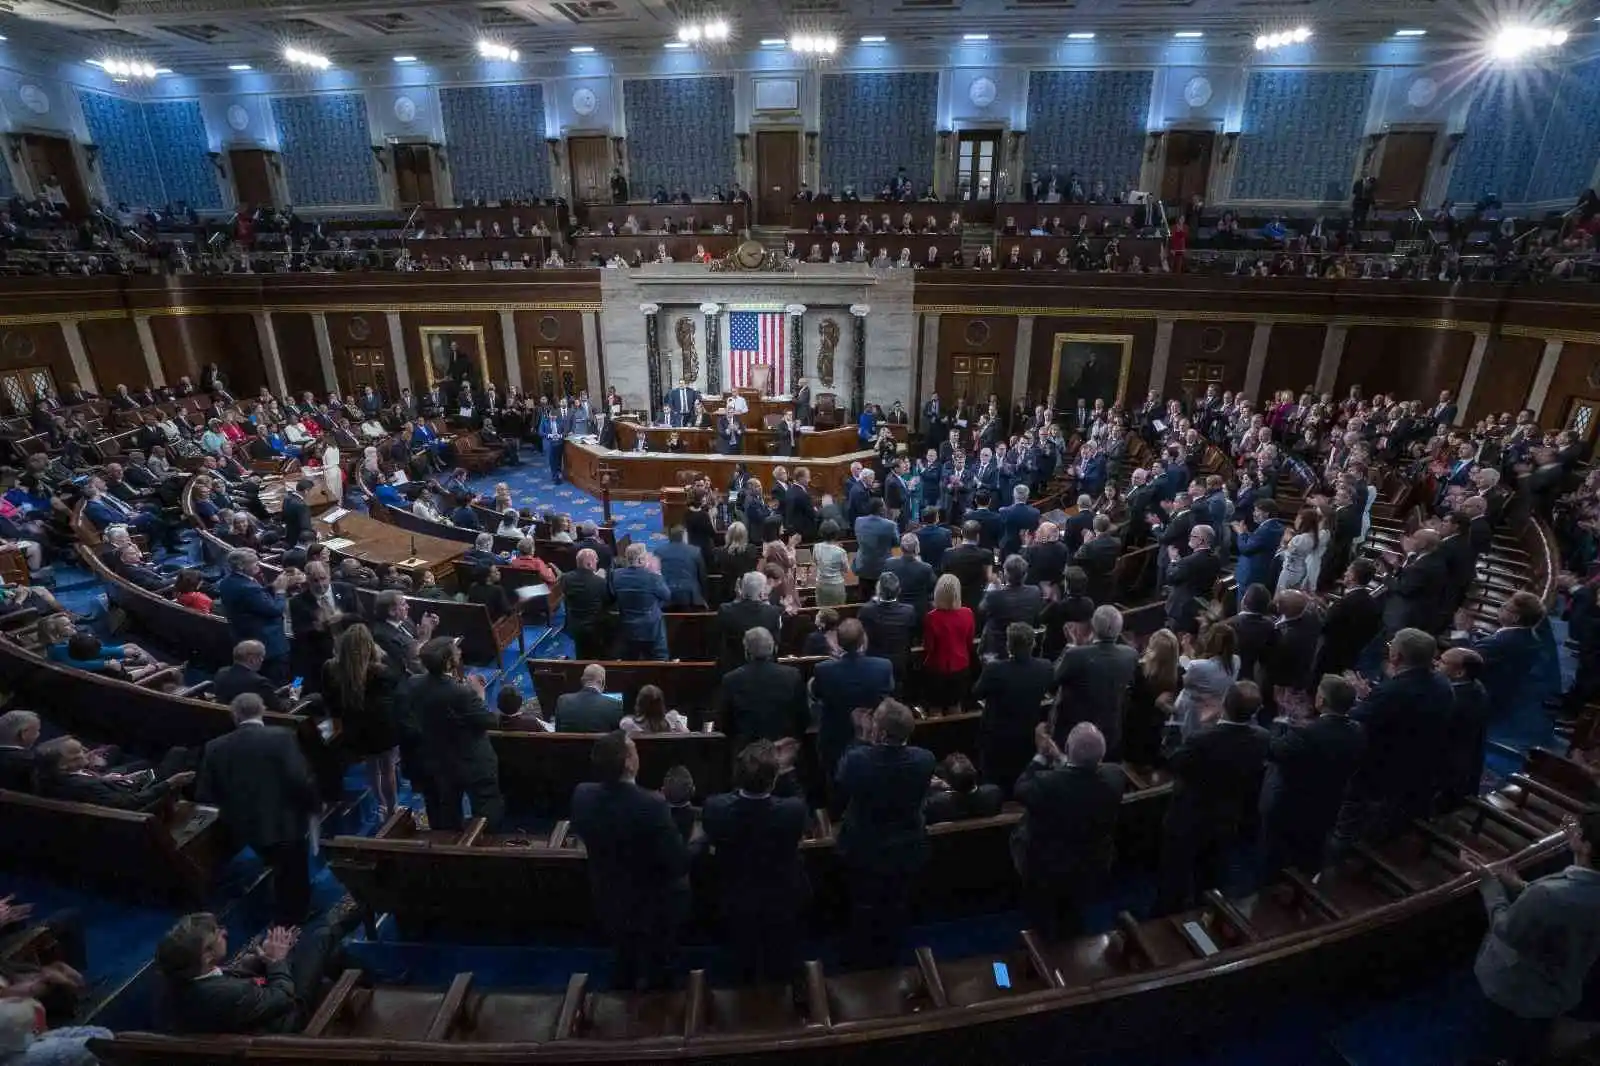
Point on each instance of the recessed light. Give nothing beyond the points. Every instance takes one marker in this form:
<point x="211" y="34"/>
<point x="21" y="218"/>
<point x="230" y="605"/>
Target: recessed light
<point x="974" y="36"/>
<point x="405" y="59"/>
<point x="163" y="70"/>
<point x="876" y="38"/>
<point x="1188" y="35"/>
<point x="1410" y="33"/>
<point x="1080" y="36"/>
<point x="2" y="37"/>
<point x="96" y="63"/>
<point x="238" y="66"/>
<point x="773" y="42"/>
<point x="676" y="44"/>
<point x="581" y="49"/>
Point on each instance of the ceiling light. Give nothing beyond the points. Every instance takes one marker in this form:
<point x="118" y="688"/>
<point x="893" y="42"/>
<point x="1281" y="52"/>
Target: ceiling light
<point x="675" y="44"/>
<point x="238" y="66"/>
<point x="713" y="31"/>
<point x="491" y="50"/>
<point x="875" y="38"/>
<point x="1514" y="42"/>
<point x="1278" y="40"/>
<point x="581" y="49"/>
<point x="814" y="44"/>
<point x="1410" y="33"/>
<point x="1188" y="35"/>
<point x="306" y="59"/>
<point x="773" y="42"/>
<point x="2" y="36"/>
<point x="123" y="68"/>
<point x="974" y="36"/>
<point x="1085" y="36"/>
<point x="405" y="59"/>
<point x="163" y="70"/>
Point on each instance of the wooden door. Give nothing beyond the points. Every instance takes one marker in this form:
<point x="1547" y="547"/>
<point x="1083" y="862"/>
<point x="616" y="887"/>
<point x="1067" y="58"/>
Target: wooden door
<point x="22" y="385"/>
<point x="52" y="157"/>
<point x="977" y="164"/>
<point x="777" y="174"/>
<point x="252" y="176"/>
<point x="1188" y="165"/>
<point x="590" y="160"/>
<point x="1403" y="168"/>
<point x="413" y="174"/>
<point x="364" y="366"/>
<point x="973" y="377"/>
<point x="552" y="372"/>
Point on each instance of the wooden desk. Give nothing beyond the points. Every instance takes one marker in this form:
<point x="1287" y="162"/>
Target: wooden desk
<point x="378" y="542"/>
<point x="651" y="217"/>
<point x="892" y="244"/>
<point x="815" y="444"/>
<point x="642" y="475"/>
<point x="476" y="247"/>
<point x="1026" y="215"/>
<point x="680" y="247"/>
<point x="802" y="215"/>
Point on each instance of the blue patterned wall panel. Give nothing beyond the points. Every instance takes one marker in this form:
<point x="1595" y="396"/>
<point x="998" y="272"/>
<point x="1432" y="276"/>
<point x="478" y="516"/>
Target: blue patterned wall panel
<point x="1504" y="127"/>
<point x="127" y="161"/>
<point x="1089" y="121"/>
<point x="1300" y="134"/>
<point x="496" y="137"/>
<point x="178" y="138"/>
<point x="327" y="149"/>
<point x="1566" y="160"/>
<point x="873" y="124"/>
<point x="680" y="134"/>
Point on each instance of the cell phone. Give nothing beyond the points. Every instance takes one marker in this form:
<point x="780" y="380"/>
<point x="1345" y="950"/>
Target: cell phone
<point x="298" y="682"/>
<point x="1002" y="975"/>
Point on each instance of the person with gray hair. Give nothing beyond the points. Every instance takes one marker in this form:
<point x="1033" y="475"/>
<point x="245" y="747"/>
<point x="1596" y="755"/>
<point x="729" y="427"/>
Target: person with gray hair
<point x="1019" y="520"/>
<point x="1064" y="846"/>
<point x="915" y="575"/>
<point x="1092" y="681"/>
<point x="763" y="699"/>
<point x="244" y="675"/>
<point x="748" y="610"/>
<point x="640" y="594"/>
<point x="19" y="732"/>
<point x="891" y="626"/>
<point x="1012" y="601"/>
<point x="255" y="610"/>
<point x="1190" y="579"/>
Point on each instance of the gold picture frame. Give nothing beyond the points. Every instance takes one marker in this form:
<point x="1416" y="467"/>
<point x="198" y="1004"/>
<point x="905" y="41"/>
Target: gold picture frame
<point x="435" y="343"/>
<point x="1124" y="346"/>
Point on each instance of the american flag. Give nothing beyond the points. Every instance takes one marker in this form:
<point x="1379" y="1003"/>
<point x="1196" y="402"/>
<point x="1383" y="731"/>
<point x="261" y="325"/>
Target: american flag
<point x="756" y="338"/>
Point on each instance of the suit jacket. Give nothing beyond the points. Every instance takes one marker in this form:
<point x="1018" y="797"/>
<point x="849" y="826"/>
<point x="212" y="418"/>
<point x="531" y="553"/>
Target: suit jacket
<point x="735" y="619"/>
<point x="1349" y="626"/>
<point x="1416" y="595"/>
<point x="916" y="582"/>
<point x="640" y="595"/>
<point x="16" y="769"/>
<point x="757" y="841"/>
<point x="237" y="1001"/>
<point x="1293" y="660"/>
<point x="890" y="627"/>
<point x="1098" y="559"/>
<point x="1407" y="721"/>
<point x="799" y="513"/>
<point x="1256" y="548"/>
<point x="882" y="787"/>
<point x="1191" y="579"/>
<point x="1069" y="830"/>
<point x="683" y="568"/>
<point x="1308" y="769"/>
<point x="1092" y="683"/>
<point x="934" y="542"/>
<point x="875" y="538"/>
<point x="1461" y="769"/>
<point x="1218" y="771"/>
<point x="1017" y="519"/>
<point x="313" y="643"/>
<point x="233" y="680"/>
<point x="587" y="711"/>
<point x="254" y="612"/>
<point x="585" y="595"/>
<point x="638" y="863"/>
<point x="762" y="700"/>
<point x="261" y="781"/>
<point x="840" y="686"/>
<point x="1002" y="606"/>
<point x="1255" y="637"/>
<point x="296" y="518"/>
<point x="454" y="723"/>
<point x="1013" y="693"/>
<point x="94" y="789"/>
<point x="1077" y="528"/>
<point x="968" y="562"/>
<point x="1510" y="655"/>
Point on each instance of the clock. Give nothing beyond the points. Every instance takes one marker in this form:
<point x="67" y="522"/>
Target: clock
<point x="405" y="109"/>
<point x="1197" y="91"/>
<point x="33" y="98"/>
<point x="584" y="101"/>
<point x="1422" y="92"/>
<point x="238" y="117"/>
<point x="982" y="92"/>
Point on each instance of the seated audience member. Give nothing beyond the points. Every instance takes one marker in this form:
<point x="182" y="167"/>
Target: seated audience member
<point x="519" y="715"/>
<point x="271" y="988"/>
<point x="65" y="771"/>
<point x="763" y="699"/>
<point x="638" y="865"/>
<point x="85" y="652"/>
<point x="1064" y="847"/>
<point x="823" y="640"/>
<point x="244" y="675"/>
<point x="187" y="591"/>
<point x="956" y="794"/>
<point x="57" y="633"/>
<point x="762" y="884"/>
<point x="588" y="710"/>
<point x="19" y="733"/>
<point x="525" y="558"/>
<point x="650" y="715"/>
<point x="488" y="591"/>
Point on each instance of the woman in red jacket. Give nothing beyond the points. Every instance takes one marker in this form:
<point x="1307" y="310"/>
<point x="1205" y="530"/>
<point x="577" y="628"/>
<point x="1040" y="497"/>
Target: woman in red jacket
<point x="947" y="635"/>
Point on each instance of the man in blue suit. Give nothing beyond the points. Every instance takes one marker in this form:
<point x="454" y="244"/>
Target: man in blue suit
<point x="255" y="611"/>
<point x="640" y="594"/>
<point x="730" y="434"/>
<point x="1510" y="671"/>
<point x="1257" y="546"/>
<point x="680" y="403"/>
<point x="841" y="685"/>
<point x="105" y="510"/>
<point x="1019" y="518"/>
<point x="858" y="494"/>
<point x="876" y="537"/>
<point x="883" y="841"/>
<point x="555" y="427"/>
<point x="683" y="568"/>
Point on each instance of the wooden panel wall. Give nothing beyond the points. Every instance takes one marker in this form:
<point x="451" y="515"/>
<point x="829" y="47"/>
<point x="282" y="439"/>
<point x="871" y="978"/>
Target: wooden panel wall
<point x="1578" y="368"/>
<point x="236" y="348"/>
<point x="297" y="348"/>
<point x="171" y="349"/>
<point x="1293" y="353"/>
<point x="37" y="345"/>
<point x="491" y="362"/>
<point x="1414" y="364"/>
<point x="346" y="330"/>
<point x="1505" y="377"/>
<point x="994" y="335"/>
<point x="1224" y="343"/>
<point x="1045" y="329"/>
<point x="550" y="329"/>
<point x="112" y="345"/>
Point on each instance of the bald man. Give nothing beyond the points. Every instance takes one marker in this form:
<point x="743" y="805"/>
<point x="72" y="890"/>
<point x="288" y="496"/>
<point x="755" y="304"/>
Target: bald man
<point x="1418" y="588"/>
<point x="588" y="710"/>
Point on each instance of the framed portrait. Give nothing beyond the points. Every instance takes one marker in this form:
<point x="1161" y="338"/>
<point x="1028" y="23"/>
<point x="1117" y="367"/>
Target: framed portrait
<point x="443" y="347"/>
<point x="1085" y="367"/>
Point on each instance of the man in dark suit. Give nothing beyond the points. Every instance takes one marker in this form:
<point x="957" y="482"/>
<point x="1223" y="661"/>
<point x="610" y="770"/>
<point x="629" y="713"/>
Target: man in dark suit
<point x="730" y="434"/>
<point x="1257" y="546"/>
<point x="19" y="733"/>
<point x="454" y="723"/>
<point x="1013" y="690"/>
<point x="586" y="595"/>
<point x="1092" y="681"/>
<point x="787" y="436"/>
<point x="749" y="610"/>
<point x="763" y="699"/>
<point x="1294" y="654"/>
<point x="638" y="865"/>
<point x="1461" y="768"/>
<point x="882" y="843"/>
<point x="588" y="710"/>
<point x="1064" y="846"/>
<point x="876" y="537"/>
<point x="971" y="563"/>
<point x="1511" y="653"/>
<point x="262" y="783"/>
<point x="916" y="577"/>
<point x="1018" y="518"/>
<point x="761" y="882"/>
<point x="683" y="568"/>
<point x="802" y="402"/>
<point x="1417" y="588"/>
<point x="990" y="525"/>
<point x="891" y="625"/>
<point x="680" y="403"/>
<point x="1255" y="630"/>
<point x="68" y="770"/>
<point x="1079" y="525"/>
<point x="1352" y="621"/>
<point x="296" y="515"/>
<point x="244" y="675"/>
<point x="1190" y="579"/>
<point x="315" y="612"/>
<point x="254" y="611"/>
<point x="400" y="640"/>
<point x="1013" y="601"/>
<point x="799" y="513"/>
<point x="1308" y="768"/>
<point x="840" y="686"/>
<point x="640" y="594"/>
<point x="1098" y="560"/>
<point x="1218" y="784"/>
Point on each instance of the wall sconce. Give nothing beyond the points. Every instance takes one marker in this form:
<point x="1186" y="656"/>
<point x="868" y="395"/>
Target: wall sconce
<point x="744" y="146"/>
<point x="378" y="154"/>
<point x="1451" y="143"/>
<point x="276" y="164"/>
<point x="1373" y="140"/>
<point x="14" y="146"/>
<point x="440" y="154"/>
<point x="216" y="161"/>
<point x="811" y="146"/>
<point x="1229" y="141"/>
<point x="618" y="154"/>
<point x="554" y="144"/>
<point x="91" y="156"/>
<point x="1153" y="144"/>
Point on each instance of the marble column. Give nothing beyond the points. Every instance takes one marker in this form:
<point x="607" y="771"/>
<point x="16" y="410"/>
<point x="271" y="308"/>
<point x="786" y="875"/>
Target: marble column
<point x="267" y="338"/>
<point x="508" y="342"/>
<point x="1541" y="380"/>
<point x="797" y="344"/>
<point x="712" y="313"/>
<point x="652" y="356"/>
<point x="397" y="345"/>
<point x="858" y="362"/>
<point x="1161" y="356"/>
<point x="78" y="354"/>
<point x="1258" y="359"/>
<point x="1469" y="380"/>
<point x="591" y="354"/>
<point x="1332" y="355"/>
<point x="330" y="378"/>
<point x="1022" y="359"/>
<point x="928" y="374"/>
<point x="147" y="346"/>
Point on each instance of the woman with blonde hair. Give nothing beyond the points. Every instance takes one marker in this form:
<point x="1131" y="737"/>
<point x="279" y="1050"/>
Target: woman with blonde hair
<point x="947" y="633"/>
<point x="650" y="714"/>
<point x="358" y="690"/>
<point x="736" y="558"/>
<point x="1155" y="687"/>
<point x="1208" y="672"/>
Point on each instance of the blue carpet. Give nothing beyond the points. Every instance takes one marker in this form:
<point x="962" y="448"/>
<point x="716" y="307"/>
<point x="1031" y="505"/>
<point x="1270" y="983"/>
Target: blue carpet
<point x="532" y="487"/>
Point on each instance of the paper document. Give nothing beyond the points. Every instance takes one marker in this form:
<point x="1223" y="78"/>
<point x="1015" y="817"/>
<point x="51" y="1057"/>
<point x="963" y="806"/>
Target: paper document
<point x="332" y="516"/>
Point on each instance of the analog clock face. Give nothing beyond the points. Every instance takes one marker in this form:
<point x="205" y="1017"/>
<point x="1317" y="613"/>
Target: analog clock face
<point x="583" y="101"/>
<point x="33" y="98"/>
<point x="982" y="92"/>
<point x="1422" y="92"/>
<point x="238" y="117"/>
<point x="405" y="108"/>
<point x="1197" y="91"/>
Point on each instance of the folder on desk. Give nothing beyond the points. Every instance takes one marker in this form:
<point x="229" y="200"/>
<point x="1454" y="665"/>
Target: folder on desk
<point x="332" y="516"/>
<point x="338" y="544"/>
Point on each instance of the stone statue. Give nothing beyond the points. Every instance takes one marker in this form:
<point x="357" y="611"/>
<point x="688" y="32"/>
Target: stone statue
<point x="686" y="348"/>
<point x="828" y="330"/>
